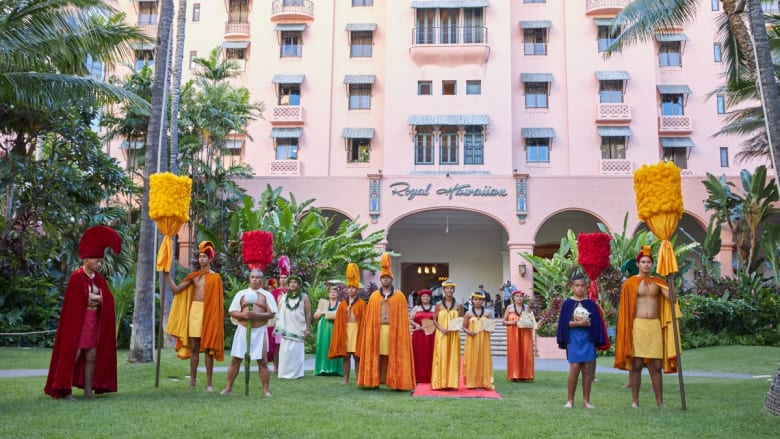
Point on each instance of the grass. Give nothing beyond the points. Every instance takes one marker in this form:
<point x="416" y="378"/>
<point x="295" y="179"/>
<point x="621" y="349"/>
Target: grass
<point x="321" y="407"/>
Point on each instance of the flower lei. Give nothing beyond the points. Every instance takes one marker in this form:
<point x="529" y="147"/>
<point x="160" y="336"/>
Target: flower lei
<point x="297" y="304"/>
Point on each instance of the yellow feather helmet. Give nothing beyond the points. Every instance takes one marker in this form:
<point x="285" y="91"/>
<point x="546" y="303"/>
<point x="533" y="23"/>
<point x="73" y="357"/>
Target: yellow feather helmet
<point x="353" y="275"/>
<point x="386" y="266"/>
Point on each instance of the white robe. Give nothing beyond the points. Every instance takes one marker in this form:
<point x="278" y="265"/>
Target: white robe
<point x="291" y="326"/>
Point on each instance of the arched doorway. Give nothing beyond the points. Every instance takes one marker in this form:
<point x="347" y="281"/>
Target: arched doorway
<point x="548" y="237"/>
<point x="468" y="247"/>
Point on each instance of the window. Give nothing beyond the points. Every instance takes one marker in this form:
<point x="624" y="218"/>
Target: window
<point x="721" y="104"/>
<point x="147" y="13"/>
<point x="611" y="92"/>
<point x="424" y="88"/>
<point x="426" y="28"/>
<point x="669" y="54"/>
<point x="473" y="146"/>
<point x="473" y="87"/>
<point x="358" y="3"/>
<point x="237" y="56"/>
<point x="613" y="147"/>
<point x="605" y="37"/>
<point x="95" y="68"/>
<point x="144" y="57"/>
<point x="238" y="11"/>
<point x="534" y="1"/>
<point x="448" y="145"/>
<point x="292" y="44"/>
<point x="449" y="88"/>
<point x="473" y="26"/>
<point x="535" y="41"/>
<point x="724" y="157"/>
<point x="423" y="146"/>
<point x="677" y="155"/>
<point x="535" y="95"/>
<point x="672" y="105"/>
<point x="196" y="12"/>
<point x="193" y="55"/>
<point x="287" y="148"/>
<point x="289" y="94"/>
<point x="359" y="151"/>
<point x="361" y="44"/>
<point x="717" y="52"/>
<point x="715" y="5"/>
<point x="359" y="96"/>
<point x="537" y="150"/>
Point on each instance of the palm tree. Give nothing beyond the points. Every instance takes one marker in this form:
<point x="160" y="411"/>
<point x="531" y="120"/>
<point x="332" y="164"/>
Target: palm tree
<point x="643" y="18"/>
<point x="143" y="323"/>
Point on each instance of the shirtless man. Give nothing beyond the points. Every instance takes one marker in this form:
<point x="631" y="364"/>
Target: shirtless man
<point x="263" y="310"/>
<point x="643" y="321"/>
<point x="197" y="315"/>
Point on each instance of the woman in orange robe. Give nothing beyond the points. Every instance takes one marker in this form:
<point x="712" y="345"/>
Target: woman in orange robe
<point x="519" y="343"/>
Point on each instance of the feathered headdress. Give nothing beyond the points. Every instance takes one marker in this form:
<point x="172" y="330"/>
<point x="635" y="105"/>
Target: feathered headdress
<point x="284" y="266"/>
<point x="207" y="247"/>
<point x="353" y="275"/>
<point x="95" y="240"/>
<point x="258" y="248"/>
<point x="645" y="251"/>
<point x="387" y="269"/>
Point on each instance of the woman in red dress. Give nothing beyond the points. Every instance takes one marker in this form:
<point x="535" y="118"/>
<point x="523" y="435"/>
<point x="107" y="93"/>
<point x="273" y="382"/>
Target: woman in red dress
<point x="422" y="343"/>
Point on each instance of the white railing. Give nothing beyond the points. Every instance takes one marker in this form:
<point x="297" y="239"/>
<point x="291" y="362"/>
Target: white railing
<point x="591" y="5"/>
<point x="285" y="167"/>
<point x="614" y="112"/>
<point x="675" y="124"/>
<point x="287" y="113"/>
<point x="303" y="7"/>
<point x="616" y="167"/>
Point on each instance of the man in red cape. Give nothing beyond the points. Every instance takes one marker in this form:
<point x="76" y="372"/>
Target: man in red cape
<point x="84" y="353"/>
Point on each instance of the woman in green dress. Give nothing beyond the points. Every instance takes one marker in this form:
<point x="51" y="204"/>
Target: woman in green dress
<point x="325" y="315"/>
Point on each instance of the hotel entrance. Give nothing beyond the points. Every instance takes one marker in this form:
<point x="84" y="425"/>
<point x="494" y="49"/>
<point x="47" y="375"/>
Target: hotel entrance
<point x="423" y="275"/>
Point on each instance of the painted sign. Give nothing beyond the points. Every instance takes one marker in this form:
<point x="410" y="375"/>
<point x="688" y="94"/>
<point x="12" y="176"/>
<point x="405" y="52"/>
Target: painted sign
<point x="404" y="189"/>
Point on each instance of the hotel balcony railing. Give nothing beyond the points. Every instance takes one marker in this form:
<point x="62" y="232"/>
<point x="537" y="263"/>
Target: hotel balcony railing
<point x="292" y="9"/>
<point x="449" y="35"/>
<point x="287" y="114"/>
<point x="601" y="6"/>
<point x="616" y="167"/>
<point x="285" y="167"/>
<point x="613" y="113"/>
<point x="235" y="28"/>
<point x="675" y="124"/>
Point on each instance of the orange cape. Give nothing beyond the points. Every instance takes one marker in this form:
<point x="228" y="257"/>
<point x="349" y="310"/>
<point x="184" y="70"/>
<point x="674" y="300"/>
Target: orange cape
<point x="338" y="341"/>
<point x="212" y="340"/>
<point x="400" y="366"/>
<point x="625" y="325"/>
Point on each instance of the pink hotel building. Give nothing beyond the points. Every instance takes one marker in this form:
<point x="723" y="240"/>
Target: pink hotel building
<point x="470" y="130"/>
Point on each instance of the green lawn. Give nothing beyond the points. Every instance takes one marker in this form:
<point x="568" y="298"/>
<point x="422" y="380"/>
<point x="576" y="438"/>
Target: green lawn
<point x="322" y="407"/>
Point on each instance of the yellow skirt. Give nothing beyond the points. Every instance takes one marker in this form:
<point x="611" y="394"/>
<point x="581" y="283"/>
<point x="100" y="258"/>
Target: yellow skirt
<point x="352" y="333"/>
<point x="384" y="340"/>
<point x="195" y="319"/>
<point x="647" y="338"/>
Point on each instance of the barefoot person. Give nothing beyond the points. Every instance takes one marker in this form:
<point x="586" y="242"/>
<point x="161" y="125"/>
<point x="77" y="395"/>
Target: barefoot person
<point x="346" y="327"/>
<point x="263" y="310"/>
<point x="644" y="329"/>
<point x="84" y="353"/>
<point x="198" y="314"/>
<point x="580" y="332"/>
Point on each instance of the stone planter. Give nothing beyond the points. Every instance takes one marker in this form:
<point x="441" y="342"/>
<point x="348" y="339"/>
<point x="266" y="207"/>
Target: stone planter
<point x="547" y="349"/>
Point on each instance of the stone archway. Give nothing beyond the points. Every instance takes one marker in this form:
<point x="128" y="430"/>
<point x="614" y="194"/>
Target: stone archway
<point x="548" y="236"/>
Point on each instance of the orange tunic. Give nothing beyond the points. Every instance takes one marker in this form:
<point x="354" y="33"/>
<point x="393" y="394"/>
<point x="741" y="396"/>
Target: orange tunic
<point x="625" y="325"/>
<point x="212" y="339"/>
<point x="400" y="366"/>
<point x="338" y="341"/>
<point x="519" y="350"/>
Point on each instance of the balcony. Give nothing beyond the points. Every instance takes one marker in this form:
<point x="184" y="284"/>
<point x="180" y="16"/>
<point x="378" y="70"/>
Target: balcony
<point x="292" y="10"/>
<point x="675" y="124"/>
<point x="237" y="29"/>
<point x="287" y="115"/>
<point x="285" y="167"/>
<point x="604" y="6"/>
<point x="449" y="46"/>
<point x="616" y="167"/>
<point x="613" y="113"/>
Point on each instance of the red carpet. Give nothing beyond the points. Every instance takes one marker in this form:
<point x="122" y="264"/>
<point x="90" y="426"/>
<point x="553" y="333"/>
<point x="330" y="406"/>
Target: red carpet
<point x="424" y="389"/>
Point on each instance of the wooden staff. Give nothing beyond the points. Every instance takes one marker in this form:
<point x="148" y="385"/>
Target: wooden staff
<point x="160" y="332"/>
<point x="676" y="333"/>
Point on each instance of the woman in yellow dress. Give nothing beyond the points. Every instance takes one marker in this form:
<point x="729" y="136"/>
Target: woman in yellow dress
<point x="477" y="358"/>
<point x="445" y="373"/>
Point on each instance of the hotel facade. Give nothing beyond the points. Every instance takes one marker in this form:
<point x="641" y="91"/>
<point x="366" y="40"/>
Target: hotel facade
<point x="472" y="131"/>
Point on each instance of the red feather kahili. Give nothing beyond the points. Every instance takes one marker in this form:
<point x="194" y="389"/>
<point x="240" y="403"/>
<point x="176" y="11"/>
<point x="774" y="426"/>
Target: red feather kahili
<point x="593" y="256"/>
<point x="258" y="248"/>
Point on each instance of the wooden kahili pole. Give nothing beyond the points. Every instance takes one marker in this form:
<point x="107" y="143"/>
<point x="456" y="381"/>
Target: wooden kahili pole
<point x="676" y="333"/>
